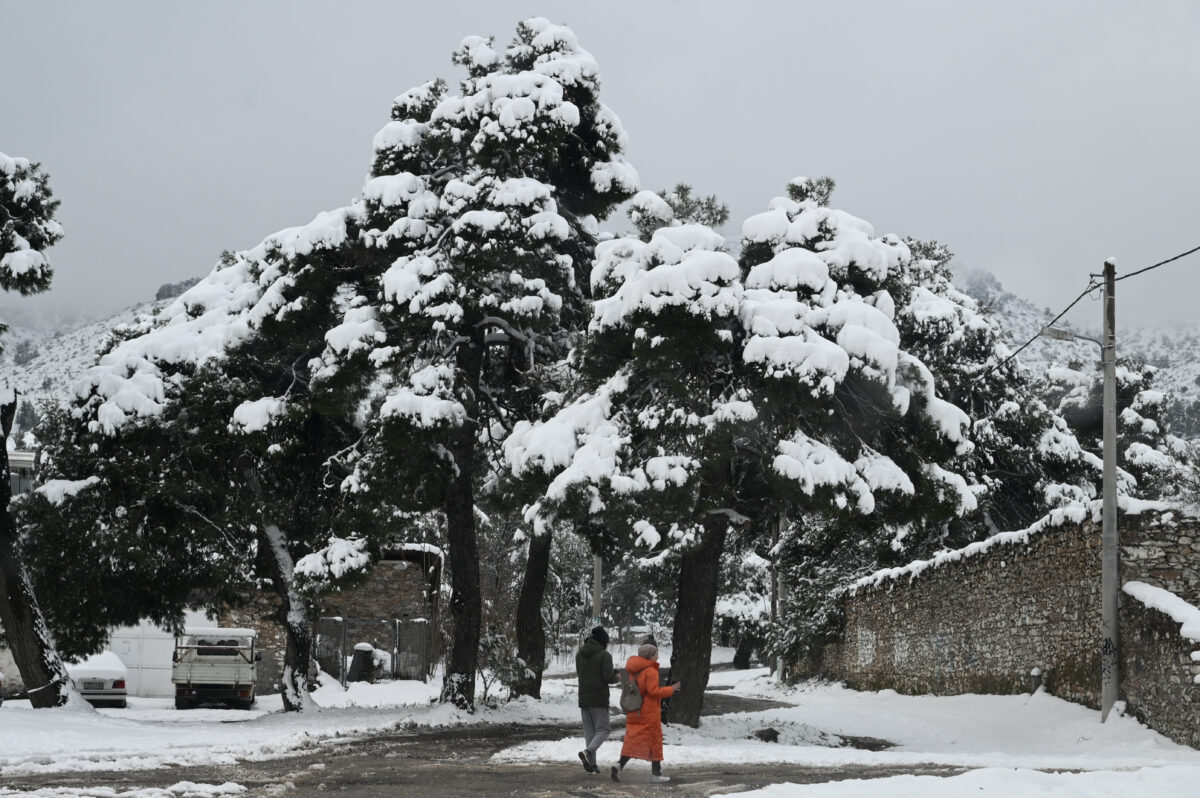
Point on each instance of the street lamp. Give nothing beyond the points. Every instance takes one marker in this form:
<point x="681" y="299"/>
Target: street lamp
<point x="1110" y="629"/>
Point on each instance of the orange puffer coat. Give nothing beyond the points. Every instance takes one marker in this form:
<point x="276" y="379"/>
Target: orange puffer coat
<point x="643" y="729"/>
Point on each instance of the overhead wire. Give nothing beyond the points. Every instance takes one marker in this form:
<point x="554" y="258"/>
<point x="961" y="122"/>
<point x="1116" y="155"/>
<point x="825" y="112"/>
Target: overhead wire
<point x="1092" y="286"/>
<point x="1160" y="263"/>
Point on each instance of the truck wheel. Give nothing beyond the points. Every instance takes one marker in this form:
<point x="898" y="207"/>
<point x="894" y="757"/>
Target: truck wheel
<point x="182" y="703"/>
<point x="243" y="703"/>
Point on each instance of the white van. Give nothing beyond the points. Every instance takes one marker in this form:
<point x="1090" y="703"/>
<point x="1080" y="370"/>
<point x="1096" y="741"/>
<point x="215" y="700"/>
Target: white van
<point x="215" y="666"/>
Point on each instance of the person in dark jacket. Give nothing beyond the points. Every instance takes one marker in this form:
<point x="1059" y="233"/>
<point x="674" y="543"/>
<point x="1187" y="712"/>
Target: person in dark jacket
<point x="594" y="667"/>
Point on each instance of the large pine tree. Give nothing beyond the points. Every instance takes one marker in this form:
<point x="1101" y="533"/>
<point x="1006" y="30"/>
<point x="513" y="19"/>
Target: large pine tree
<point x="484" y="207"/>
<point x="209" y="456"/>
<point x="731" y="397"/>
<point x="378" y="349"/>
<point x="27" y="229"/>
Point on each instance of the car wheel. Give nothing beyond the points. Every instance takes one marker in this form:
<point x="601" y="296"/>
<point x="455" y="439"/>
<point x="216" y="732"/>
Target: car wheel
<point x="182" y="703"/>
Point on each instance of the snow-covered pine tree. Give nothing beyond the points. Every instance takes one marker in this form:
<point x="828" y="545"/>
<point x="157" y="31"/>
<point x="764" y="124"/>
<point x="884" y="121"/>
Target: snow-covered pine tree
<point x="1023" y="453"/>
<point x="715" y="404"/>
<point x="1152" y="463"/>
<point x="242" y="467"/>
<point x="27" y="229"/>
<point x="864" y="446"/>
<point x="484" y="206"/>
<point x="652" y="450"/>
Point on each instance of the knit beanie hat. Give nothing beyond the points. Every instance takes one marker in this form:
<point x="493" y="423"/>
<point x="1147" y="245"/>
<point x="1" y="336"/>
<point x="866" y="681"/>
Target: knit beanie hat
<point x="647" y="651"/>
<point x="600" y="636"/>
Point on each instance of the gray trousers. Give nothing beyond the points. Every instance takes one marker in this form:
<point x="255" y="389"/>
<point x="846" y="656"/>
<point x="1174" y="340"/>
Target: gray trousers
<point x="595" y="728"/>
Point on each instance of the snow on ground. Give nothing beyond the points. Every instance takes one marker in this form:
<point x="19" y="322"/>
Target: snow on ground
<point x="151" y="733"/>
<point x="1005" y="737"/>
<point x="1175" y="781"/>
<point x="1006" y="741"/>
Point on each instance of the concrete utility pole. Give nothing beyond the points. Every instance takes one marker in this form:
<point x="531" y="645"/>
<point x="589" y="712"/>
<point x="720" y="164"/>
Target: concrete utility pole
<point x="1110" y="543"/>
<point x="1110" y="660"/>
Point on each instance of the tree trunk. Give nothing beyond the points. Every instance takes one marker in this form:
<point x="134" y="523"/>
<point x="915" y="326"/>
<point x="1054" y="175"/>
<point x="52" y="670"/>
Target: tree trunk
<point x="465" y="603"/>
<point x="531" y="635"/>
<point x="37" y="660"/>
<point x="298" y="650"/>
<point x="692" y="638"/>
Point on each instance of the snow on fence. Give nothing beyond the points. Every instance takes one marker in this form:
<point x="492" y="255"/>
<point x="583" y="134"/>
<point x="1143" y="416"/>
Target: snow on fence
<point x="1025" y="612"/>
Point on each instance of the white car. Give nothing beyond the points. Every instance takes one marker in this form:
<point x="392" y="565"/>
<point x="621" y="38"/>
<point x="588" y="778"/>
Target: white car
<point x="100" y="679"/>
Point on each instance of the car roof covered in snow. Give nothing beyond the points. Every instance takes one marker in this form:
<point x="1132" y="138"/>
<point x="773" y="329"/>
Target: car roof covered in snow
<point x="105" y="665"/>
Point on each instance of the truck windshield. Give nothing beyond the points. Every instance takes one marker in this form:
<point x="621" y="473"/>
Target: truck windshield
<point x="217" y="648"/>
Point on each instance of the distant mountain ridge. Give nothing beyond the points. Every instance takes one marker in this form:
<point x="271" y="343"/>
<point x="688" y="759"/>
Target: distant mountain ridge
<point x="1174" y="349"/>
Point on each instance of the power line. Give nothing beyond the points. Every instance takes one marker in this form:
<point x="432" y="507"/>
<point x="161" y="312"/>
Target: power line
<point x="1160" y="263"/>
<point x="1092" y="286"/>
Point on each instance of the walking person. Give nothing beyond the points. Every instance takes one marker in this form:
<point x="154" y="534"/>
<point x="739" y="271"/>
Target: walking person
<point x="595" y="672"/>
<point x="643" y="727"/>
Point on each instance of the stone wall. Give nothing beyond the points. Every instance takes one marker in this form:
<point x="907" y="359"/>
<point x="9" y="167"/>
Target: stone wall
<point x="396" y="589"/>
<point x="402" y="585"/>
<point x="261" y="612"/>
<point x="990" y="617"/>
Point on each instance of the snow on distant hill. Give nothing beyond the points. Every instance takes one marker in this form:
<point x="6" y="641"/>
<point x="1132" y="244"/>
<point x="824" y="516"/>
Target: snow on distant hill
<point x="43" y="365"/>
<point x="1174" y="349"/>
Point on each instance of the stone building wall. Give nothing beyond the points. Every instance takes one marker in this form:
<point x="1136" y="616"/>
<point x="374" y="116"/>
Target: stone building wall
<point x="261" y="613"/>
<point x="396" y="589"/>
<point x="1157" y="678"/>
<point x="403" y="585"/>
<point x="986" y="620"/>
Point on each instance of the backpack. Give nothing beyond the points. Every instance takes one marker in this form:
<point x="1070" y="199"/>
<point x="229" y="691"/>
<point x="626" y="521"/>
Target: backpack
<point x="631" y="696"/>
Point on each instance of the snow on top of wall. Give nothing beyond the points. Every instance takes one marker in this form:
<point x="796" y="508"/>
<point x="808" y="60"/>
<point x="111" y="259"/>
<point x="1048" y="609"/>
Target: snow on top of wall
<point x="1156" y="598"/>
<point x="1073" y="514"/>
<point x="425" y="548"/>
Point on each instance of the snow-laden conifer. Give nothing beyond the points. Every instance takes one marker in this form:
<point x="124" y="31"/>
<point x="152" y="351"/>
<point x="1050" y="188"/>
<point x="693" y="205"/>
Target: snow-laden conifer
<point x="27" y="229"/>
<point x="730" y="396"/>
<point x="481" y="210"/>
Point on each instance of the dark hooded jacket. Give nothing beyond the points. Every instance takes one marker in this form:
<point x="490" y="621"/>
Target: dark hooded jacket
<point x="594" y="667"/>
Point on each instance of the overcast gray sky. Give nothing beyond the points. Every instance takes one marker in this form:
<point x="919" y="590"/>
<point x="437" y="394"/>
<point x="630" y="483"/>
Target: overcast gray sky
<point x="1034" y="138"/>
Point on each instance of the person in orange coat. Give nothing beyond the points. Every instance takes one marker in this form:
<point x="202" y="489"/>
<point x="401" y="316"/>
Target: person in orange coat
<point x="643" y="728"/>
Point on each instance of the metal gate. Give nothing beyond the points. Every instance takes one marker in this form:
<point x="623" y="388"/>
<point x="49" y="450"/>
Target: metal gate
<point x="329" y="646"/>
<point x="412" y="649"/>
<point x="409" y="645"/>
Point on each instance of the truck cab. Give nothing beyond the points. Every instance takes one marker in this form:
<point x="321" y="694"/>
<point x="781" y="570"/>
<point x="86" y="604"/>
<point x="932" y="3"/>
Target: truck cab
<point x="215" y="666"/>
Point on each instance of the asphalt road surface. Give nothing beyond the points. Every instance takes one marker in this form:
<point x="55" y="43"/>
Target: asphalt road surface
<point x="456" y="762"/>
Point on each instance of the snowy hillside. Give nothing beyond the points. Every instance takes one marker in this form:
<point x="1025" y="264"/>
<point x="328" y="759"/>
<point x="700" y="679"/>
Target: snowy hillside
<point x="1174" y="349"/>
<point x="43" y="365"/>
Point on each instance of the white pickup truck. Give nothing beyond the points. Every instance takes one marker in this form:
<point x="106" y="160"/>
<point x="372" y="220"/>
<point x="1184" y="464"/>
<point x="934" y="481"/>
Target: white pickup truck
<point x="215" y="666"/>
